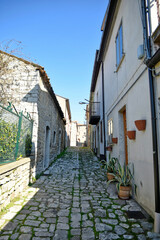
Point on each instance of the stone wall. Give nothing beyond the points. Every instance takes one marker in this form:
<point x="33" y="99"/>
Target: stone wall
<point x="14" y="178"/>
<point x="25" y="87"/>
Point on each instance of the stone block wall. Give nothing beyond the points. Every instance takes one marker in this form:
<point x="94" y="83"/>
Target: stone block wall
<point x="25" y="87"/>
<point x="14" y="178"/>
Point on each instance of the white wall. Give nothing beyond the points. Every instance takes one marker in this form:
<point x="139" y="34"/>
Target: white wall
<point x="128" y="86"/>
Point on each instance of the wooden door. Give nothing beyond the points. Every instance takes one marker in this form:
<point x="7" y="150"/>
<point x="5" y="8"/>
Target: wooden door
<point x="125" y="136"/>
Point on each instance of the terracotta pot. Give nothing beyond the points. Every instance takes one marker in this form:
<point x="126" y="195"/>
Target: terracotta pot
<point x="131" y="135"/>
<point x="109" y="176"/>
<point x="140" y="124"/>
<point x="109" y="148"/>
<point x="124" y="192"/>
<point x="115" y="140"/>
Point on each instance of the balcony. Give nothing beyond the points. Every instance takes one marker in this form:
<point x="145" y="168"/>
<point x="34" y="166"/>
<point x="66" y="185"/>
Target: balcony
<point x="94" y="113"/>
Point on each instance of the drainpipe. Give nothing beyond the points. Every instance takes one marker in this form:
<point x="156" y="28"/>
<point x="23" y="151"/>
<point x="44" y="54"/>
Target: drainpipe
<point x="103" y="103"/>
<point x="154" y="124"/>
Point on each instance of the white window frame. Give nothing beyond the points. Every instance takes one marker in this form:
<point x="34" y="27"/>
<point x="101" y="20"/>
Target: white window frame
<point x="119" y="45"/>
<point x="110" y="131"/>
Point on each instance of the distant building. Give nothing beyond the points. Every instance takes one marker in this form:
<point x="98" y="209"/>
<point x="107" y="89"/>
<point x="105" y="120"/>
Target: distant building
<point x="73" y="134"/>
<point x="65" y="106"/>
<point x="81" y="135"/>
<point x="78" y="134"/>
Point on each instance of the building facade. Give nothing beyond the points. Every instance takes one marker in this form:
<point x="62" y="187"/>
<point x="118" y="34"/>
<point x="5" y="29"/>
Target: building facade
<point x="27" y="86"/>
<point x="65" y="106"/>
<point x="125" y="90"/>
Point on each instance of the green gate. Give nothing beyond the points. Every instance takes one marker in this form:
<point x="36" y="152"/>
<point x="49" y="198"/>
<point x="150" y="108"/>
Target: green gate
<point x="15" y="134"/>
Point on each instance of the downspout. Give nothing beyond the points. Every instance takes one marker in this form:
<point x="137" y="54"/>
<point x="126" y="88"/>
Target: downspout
<point x="154" y="124"/>
<point x="103" y="101"/>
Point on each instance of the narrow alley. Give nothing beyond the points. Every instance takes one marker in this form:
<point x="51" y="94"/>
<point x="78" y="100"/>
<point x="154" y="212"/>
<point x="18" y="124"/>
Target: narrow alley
<point x="71" y="201"/>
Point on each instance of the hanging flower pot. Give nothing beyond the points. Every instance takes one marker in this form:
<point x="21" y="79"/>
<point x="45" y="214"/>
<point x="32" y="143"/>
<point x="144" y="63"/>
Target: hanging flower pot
<point x="140" y="124"/>
<point x="109" y="148"/>
<point x="131" y="134"/>
<point x="115" y="140"/>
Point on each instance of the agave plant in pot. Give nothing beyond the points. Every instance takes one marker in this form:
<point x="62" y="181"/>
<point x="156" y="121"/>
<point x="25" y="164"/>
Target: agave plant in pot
<point x="111" y="167"/>
<point x="124" y="178"/>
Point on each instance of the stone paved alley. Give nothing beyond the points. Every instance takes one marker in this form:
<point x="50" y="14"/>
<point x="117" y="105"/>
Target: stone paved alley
<point x="73" y="202"/>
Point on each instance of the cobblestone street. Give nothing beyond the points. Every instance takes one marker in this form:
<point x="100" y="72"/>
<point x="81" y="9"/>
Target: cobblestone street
<point x="71" y="201"/>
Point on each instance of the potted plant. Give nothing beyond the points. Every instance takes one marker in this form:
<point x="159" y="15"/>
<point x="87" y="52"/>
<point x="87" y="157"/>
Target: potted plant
<point x="124" y="178"/>
<point x="110" y="166"/>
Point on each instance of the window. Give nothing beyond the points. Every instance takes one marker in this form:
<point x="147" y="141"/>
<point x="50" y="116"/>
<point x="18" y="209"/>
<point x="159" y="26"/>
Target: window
<point x="119" y="46"/>
<point x="101" y="132"/>
<point x="110" y="131"/>
<point x="54" y="137"/>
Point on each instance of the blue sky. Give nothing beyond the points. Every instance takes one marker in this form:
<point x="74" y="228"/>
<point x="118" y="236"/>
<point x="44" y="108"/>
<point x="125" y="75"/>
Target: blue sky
<point x="62" y="35"/>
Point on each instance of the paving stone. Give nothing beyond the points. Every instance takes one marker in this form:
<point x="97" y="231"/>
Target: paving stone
<point x="25" y="229"/>
<point x="61" y="234"/>
<point x="147" y="226"/>
<point x="124" y="225"/>
<point x="63" y="219"/>
<point x="52" y="228"/>
<point x="4" y="237"/>
<point x="76" y="231"/>
<point x="137" y="230"/>
<point x="10" y="226"/>
<point x="75" y="217"/>
<point x="141" y="237"/>
<point x="110" y="221"/>
<point x="128" y="236"/>
<point x="43" y="234"/>
<point x="112" y="215"/>
<point x="87" y="223"/>
<point x="153" y="235"/>
<point x="50" y="220"/>
<point x="100" y="227"/>
<point x="32" y="223"/>
<point x="100" y="213"/>
<point x="21" y="216"/>
<point x="62" y="226"/>
<point x="119" y="230"/>
<point x="41" y="238"/>
<point x="25" y="236"/>
<point x="14" y="236"/>
<point x="108" y="236"/>
<point x="88" y="234"/>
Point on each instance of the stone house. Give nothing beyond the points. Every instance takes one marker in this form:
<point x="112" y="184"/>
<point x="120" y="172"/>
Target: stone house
<point x="81" y="135"/>
<point x="65" y="106"/>
<point x="27" y="86"/>
<point x="73" y="134"/>
<point x="125" y="87"/>
<point x="78" y="134"/>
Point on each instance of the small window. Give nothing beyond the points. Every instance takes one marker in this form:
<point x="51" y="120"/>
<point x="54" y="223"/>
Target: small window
<point x="101" y="132"/>
<point x="110" y="130"/>
<point x="54" y="137"/>
<point x="119" y="46"/>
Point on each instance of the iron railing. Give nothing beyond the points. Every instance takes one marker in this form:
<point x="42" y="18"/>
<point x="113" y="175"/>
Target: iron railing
<point x="15" y="134"/>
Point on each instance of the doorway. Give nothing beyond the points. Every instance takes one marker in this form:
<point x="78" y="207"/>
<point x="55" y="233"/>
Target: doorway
<point x="47" y="148"/>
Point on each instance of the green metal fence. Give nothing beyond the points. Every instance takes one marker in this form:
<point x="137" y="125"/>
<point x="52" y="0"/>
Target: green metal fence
<point x="15" y="134"/>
